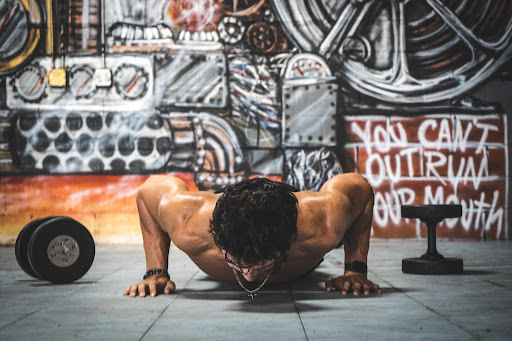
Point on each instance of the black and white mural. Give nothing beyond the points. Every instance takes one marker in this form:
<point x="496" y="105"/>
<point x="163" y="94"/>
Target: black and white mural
<point x="225" y="90"/>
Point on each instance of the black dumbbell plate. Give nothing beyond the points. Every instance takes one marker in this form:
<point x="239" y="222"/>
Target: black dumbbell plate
<point x="21" y="246"/>
<point x="61" y="250"/>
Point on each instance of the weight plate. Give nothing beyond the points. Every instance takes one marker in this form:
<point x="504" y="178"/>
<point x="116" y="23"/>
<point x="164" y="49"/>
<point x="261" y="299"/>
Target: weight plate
<point x="61" y="250"/>
<point x="21" y="246"/>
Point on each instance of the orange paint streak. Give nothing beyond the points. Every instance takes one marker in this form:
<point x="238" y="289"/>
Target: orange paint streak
<point x="133" y="84"/>
<point x="85" y="83"/>
<point x="40" y="81"/>
<point x="87" y="198"/>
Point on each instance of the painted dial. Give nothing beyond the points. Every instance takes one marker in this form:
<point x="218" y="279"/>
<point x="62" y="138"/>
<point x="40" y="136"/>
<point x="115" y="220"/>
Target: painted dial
<point x="131" y="81"/>
<point x="20" y="32"/>
<point x="307" y="65"/>
<point x="81" y="81"/>
<point x="30" y="83"/>
<point x="307" y="68"/>
<point x="14" y="29"/>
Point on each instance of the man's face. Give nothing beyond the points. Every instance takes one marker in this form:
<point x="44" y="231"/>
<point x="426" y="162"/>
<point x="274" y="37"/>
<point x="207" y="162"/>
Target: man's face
<point x="258" y="272"/>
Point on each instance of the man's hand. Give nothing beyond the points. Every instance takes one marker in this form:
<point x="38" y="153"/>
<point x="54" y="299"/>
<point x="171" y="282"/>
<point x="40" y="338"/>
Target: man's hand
<point x="155" y="284"/>
<point x="352" y="281"/>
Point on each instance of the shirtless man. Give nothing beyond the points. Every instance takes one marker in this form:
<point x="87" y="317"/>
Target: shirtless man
<point x="256" y="231"/>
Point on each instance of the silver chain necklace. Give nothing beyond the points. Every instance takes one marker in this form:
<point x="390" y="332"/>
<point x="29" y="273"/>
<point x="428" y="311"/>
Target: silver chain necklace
<point x="252" y="292"/>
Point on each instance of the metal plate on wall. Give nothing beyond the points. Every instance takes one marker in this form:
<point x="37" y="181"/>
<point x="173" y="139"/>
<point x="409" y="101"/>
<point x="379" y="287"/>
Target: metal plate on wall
<point x="309" y="113"/>
<point x="193" y="79"/>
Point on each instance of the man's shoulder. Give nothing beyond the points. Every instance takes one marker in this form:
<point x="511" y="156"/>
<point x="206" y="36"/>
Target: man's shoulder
<point x="320" y="212"/>
<point x="187" y="215"/>
<point x="187" y="205"/>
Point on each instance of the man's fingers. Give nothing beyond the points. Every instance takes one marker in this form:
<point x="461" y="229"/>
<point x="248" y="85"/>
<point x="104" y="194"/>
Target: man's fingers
<point x="377" y="289"/>
<point x="328" y="286"/>
<point x="170" y="287"/>
<point x="152" y="289"/>
<point x="357" y="288"/>
<point x="366" y="288"/>
<point x="133" y="291"/>
<point x="142" y="289"/>
<point x="345" y="288"/>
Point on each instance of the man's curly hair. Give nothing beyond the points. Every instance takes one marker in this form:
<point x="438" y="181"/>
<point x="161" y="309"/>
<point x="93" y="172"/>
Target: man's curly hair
<point x="255" y="220"/>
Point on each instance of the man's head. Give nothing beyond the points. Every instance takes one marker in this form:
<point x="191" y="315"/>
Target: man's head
<point x="254" y="222"/>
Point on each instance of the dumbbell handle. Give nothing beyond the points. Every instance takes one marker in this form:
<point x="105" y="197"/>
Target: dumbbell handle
<point x="432" y="253"/>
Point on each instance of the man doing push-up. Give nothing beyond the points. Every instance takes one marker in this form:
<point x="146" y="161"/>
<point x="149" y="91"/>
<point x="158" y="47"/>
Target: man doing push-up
<point x="256" y="231"/>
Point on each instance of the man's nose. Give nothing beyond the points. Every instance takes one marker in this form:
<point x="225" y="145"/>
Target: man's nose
<point x="250" y="274"/>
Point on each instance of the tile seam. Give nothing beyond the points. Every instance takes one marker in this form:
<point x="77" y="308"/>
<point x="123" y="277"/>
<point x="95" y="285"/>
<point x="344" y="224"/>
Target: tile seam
<point x="58" y="299"/>
<point x="42" y="308"/>
<point x="476" y="336"/>
<point x="167" y="307"/>
<point x="298" y="314"/>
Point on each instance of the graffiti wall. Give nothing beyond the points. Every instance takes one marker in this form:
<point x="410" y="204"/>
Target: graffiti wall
<point x="95" y="96"/>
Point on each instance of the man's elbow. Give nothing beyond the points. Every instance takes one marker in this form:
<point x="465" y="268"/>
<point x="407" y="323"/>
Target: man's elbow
<point x="364" y="189"/>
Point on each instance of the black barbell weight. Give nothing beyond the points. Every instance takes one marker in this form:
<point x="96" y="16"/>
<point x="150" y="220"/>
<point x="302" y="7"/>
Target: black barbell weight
<point x="59" y="250"/>
<point x="21" y="246"/>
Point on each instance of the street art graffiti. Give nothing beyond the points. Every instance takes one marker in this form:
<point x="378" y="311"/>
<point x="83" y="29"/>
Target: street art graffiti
<point x="434" y="159"/>
<point x="215" y="91"/>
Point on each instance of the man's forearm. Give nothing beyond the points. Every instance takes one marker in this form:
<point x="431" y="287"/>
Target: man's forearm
<point x="357" y="238"/>
<point x="156" y="240"/>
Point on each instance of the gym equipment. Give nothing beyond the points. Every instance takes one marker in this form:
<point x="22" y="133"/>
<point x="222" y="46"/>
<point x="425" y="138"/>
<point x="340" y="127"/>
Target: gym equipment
<point x="22" y="245"/>
<point x="58" y="249"/>
<point x="432" y="262"/>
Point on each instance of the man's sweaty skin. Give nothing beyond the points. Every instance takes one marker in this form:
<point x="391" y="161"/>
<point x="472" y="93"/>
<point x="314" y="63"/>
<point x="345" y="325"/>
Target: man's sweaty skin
<point x="343" y="208"/>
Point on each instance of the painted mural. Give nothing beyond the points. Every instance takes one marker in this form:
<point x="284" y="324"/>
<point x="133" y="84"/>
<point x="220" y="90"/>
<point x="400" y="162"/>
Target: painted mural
<point x="97" y="95"/>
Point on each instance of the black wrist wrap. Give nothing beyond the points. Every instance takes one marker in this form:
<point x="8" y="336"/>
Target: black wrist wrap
<point x="356" y="266"/>
<point x="152" y="272"/>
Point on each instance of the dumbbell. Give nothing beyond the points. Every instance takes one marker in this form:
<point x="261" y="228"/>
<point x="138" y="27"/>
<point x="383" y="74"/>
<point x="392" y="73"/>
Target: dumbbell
<point x="432" y="262"/>
<point x="57" y="248"/>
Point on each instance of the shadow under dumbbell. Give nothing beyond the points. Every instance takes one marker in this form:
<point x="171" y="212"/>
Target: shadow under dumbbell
<point x="478" y="272"/>
<point x="49" y="284"/>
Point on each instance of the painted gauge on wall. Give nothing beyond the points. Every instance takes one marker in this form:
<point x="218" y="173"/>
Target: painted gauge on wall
<point x="131" y="81"/>
<point x="30" y="83"/>
<point x="81" y="81"/>
<point x="20" y="32"/>
<point x="306" y="65"/>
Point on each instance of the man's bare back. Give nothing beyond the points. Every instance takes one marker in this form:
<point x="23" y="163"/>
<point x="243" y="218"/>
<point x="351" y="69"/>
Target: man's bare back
<point x="342" y="209"/>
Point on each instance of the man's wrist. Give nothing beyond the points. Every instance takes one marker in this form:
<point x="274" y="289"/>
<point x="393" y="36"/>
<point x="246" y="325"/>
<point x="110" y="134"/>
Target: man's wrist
<point x="357" y="267"/>
<point x="152" y="272"/>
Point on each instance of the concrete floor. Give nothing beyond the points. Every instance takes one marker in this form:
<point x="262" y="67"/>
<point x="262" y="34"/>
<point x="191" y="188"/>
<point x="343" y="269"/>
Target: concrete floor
<point x="474" y="305"/>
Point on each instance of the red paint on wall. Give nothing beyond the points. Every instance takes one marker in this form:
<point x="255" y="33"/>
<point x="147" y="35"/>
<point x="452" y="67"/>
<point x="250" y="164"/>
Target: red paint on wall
<point x="433" y="159"/>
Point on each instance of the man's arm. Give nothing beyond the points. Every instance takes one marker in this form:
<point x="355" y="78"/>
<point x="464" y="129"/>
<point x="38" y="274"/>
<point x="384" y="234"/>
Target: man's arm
<point x="156" y="240"/>
<point x="356" y="239"/>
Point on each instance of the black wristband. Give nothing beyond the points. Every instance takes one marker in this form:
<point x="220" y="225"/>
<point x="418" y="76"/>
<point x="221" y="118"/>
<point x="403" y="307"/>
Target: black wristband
<point x="152" y="272"/>
<point x="356" y="266"/>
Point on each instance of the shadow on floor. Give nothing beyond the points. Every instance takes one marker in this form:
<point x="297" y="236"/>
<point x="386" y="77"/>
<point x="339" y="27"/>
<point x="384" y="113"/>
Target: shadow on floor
<point x="478" y="272"/>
